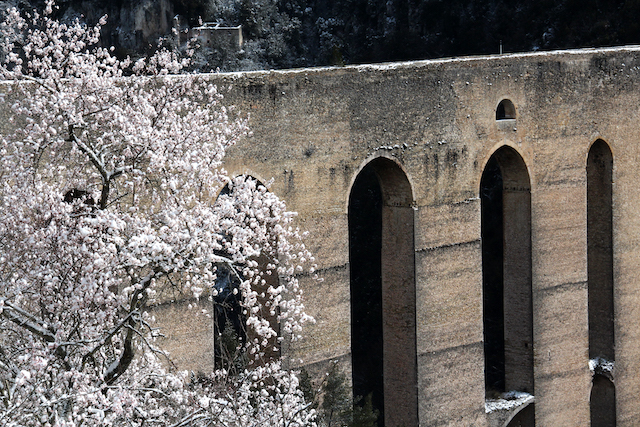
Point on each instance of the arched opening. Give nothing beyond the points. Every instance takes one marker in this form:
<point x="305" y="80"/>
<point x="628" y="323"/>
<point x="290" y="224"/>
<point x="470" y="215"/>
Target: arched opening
<point x="505" y="193"/>
<point x="492" y="276"/>
<point x="230" y="333"/>
<point x="506" y="110"/>
<point x="600" y="278"/>
<point x="383" y="324"/>
<point x="603" y="393"/>
<point x="524" y="418"/>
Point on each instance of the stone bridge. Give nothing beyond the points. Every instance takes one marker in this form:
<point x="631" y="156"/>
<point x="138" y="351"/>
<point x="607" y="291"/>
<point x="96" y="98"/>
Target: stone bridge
<point x="477" y="224"/>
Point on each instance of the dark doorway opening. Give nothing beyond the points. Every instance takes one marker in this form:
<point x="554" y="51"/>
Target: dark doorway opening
<point x="600" y="278"/>
<point x="603" y="394"/>
<point x="365" y="256"/>
<point x="231" y="335"/>
<point x="383" y="297"/>
<point x="492" y="277"/>
<point x="524" y="418"/>
<point x="505" y="193"/>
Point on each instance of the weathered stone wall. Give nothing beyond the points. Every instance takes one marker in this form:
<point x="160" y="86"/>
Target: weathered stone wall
<point x="315" y="129"/>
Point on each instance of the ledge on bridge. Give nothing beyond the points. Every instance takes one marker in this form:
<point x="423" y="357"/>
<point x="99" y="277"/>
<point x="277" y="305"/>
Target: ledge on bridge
<point x="501" y="411"/>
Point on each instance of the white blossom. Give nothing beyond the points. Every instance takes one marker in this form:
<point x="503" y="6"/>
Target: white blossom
<point x="108" y="199"/>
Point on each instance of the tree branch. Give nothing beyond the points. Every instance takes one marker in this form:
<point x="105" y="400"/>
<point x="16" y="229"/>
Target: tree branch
<point x="138" y="299"/>
<point x="105" y="339"/>
<point x="26" y="320"/>
<point x="34" y="325"/>
<point x="121" y="365"/>
<point x="106" y="176"/>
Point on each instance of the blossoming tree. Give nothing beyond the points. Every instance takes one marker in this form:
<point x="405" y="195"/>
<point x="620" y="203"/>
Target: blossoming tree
<point x="110" y="176"/>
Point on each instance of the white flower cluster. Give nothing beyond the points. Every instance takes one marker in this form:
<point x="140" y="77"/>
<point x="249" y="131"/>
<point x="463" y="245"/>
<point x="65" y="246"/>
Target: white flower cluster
<point x="108" y="196"/>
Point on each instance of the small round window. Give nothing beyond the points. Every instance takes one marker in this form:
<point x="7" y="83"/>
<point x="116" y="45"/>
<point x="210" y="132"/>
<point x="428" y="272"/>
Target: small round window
<point x="506" y="110"/>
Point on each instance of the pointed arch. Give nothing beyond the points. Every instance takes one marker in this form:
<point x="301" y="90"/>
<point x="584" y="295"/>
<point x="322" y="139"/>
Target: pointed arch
<point x="600" y="278"/>
<point x="383" y="297"/>
<point x="524" y="417"/>
<point x="230" y="333"/>
<point x="505" y="193"/>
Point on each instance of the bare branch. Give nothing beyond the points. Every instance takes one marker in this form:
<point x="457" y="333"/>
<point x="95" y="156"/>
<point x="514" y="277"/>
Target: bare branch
<point x="107" y="337"/>
<point x="28" y="321"/>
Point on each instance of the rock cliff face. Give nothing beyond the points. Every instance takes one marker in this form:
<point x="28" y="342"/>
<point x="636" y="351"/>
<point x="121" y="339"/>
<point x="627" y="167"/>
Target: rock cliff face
<point x="302" y="33"/>
<point x="133" y="26"/>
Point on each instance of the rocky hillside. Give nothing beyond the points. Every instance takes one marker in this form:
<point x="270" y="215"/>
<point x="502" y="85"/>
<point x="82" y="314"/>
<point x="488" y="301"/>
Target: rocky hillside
<point x="294" y="33"/>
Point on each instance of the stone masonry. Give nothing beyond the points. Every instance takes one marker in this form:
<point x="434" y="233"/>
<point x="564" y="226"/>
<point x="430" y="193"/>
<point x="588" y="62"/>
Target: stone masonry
<point x="427" y="130"/>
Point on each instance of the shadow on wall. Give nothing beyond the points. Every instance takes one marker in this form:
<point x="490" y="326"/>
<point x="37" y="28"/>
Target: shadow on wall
<point x="505" y="194"/>
<point x="600" y="283"/>
<point x="524" y="418"/>
<point x="383" y="301"/>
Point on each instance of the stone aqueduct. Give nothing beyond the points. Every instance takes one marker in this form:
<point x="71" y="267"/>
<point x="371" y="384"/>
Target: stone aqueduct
<point x="487" y="208"/>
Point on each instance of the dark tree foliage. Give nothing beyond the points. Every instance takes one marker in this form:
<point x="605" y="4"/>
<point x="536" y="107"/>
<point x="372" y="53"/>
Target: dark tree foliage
<point x="295" y="33"/>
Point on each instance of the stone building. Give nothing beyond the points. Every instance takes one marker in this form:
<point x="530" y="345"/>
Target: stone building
<point x="477" y="224"/>
<point x="211" y="32"/>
